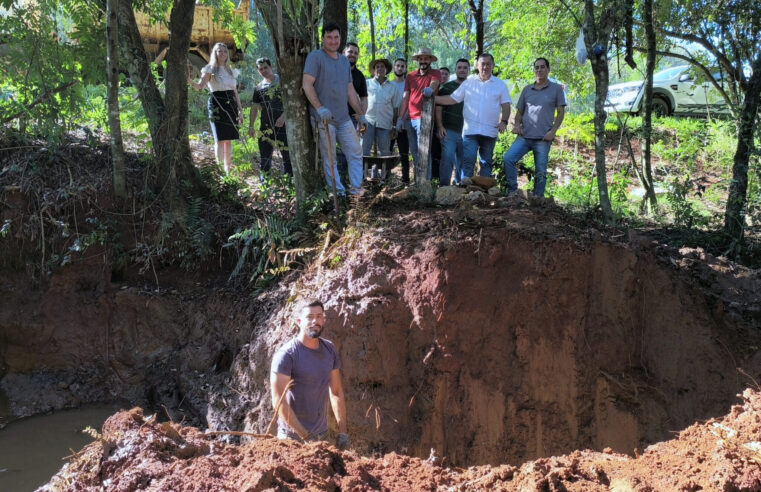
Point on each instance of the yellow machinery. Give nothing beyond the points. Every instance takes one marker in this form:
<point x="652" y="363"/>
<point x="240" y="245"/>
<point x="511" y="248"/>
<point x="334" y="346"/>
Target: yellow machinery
<point x="204" y="36"/>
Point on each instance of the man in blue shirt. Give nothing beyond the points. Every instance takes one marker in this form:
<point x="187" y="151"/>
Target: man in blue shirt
<point x="539" y="114"/>
<point x="328" y="86"/>
<point x="313" y="365"/>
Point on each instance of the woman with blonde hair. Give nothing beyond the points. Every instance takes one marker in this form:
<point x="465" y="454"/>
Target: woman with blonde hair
<point x="225" y="110"/>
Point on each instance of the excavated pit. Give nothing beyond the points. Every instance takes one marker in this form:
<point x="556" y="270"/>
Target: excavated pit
<point x="504" y="344"/>
<point x="491" y="337"/>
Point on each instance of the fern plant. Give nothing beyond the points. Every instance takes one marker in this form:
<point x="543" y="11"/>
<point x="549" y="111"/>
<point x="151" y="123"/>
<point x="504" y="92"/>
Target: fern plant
<point x="266" y="248"/>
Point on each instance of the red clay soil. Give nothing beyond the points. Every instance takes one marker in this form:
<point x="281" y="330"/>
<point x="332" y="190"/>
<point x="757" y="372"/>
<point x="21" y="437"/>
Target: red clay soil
<point x="508" y="335"/>
<point x="138" y="453"/>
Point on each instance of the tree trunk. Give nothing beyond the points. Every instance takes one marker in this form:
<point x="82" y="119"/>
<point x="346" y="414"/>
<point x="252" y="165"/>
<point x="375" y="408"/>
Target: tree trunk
<point x="424" y="142"/>
<point x="114" y="124"/>
<point x="139" y="69"/>
<point x="646" y="176"/>
<point x="734" y="218"/>
<point x="167" y="118"/>
<point x="597" y="37"/>
<point x="372" y="28"/>
<point x="407" y="30"/>
<point x="337" y="11"/>
<point x="477" y="9"/>
<point x="292" y="41"/>
<point x="307" y="173"/>
<point x="176" y="162"/>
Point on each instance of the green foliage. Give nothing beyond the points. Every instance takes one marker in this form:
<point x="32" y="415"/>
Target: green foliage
<point x="195" y="245"/>
<point x="580" y="193"/>
<point x="243" y="30"/>
<point x="685" y="211"/>
<point x="335" y="261"/>
<point x="43" y="60"/>
<point x="264" y="248"/>
<point x="578" y="128"/>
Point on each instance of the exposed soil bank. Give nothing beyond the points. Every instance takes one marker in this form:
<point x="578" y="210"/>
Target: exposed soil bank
<point x="83" y="338"/>
<point x="135" y="453"/>
<point x="490" y="336"/>
<point x="502" y="336"/>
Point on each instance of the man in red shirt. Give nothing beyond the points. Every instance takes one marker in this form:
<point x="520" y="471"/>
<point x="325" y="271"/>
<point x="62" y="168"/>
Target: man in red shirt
<point x="424" y="81"/>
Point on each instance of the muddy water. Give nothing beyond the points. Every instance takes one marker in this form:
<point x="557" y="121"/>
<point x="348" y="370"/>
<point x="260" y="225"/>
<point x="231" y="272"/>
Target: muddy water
<point x="31" y="450"/>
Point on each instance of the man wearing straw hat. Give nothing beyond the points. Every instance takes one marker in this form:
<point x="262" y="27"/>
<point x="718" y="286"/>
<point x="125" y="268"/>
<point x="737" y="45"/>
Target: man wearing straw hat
<point x="327" y="84"/>
<point x="424" y="81"/>
<point x="305" y="377"/>
<point x="382" y="104"/>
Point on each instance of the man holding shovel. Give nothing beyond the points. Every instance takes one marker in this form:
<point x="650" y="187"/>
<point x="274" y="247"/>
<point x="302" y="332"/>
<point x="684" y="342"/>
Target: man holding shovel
<point x="327" y="84"/>
<point x="305" y="376"/>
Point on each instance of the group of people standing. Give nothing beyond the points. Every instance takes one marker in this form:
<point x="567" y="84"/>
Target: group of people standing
<point x="361" y="114"/>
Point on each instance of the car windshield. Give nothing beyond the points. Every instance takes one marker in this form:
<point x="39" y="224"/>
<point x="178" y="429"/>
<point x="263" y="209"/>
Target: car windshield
<point x="668" y="73"/>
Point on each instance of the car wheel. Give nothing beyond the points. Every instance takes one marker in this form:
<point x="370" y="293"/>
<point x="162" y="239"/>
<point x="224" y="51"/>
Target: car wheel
<point x="661" y="107"/>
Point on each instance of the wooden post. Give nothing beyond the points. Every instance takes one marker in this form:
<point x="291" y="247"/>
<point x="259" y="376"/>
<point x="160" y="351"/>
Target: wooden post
<point x="424" y="141"/>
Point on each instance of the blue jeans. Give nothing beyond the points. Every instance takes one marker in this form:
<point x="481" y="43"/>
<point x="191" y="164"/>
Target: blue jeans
<point x="346" y="135"/>
<point x="381" y="136"/>
<point x="517" y="150"/>
<point x="451" y="156"/>
<point x="413" y="134"/>
<point x="482" y="146"/>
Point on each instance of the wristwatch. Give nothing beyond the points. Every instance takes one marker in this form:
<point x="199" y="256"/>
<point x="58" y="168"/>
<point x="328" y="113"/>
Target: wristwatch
<point x="504" y="121"/>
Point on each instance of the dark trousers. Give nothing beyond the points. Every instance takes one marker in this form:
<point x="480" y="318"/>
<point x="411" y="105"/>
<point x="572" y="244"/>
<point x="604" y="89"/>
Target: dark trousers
<point x="403" y="146"/>
<point x="435" y="155"/>
<point x="274" y="138"/>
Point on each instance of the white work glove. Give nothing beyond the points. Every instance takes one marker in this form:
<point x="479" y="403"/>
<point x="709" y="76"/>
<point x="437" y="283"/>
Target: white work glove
<point x="427" y="92"/>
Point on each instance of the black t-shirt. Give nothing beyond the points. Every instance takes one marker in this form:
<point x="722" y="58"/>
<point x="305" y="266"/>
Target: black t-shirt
<point x="358" y="81"/>
<point x="267" y="96"/>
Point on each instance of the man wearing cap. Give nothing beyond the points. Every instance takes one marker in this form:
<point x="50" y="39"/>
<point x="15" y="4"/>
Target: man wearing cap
<point x="485" y="114"/>
<point x="421" y="82"/>
<point x="539" y="114"/>
<point x="383" y="100"/>
<point x="328" y="86"/>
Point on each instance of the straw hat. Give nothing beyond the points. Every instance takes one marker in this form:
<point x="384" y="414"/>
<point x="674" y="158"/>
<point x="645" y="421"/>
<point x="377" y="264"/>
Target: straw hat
<point x="424" y="52"/>
<point x="385" y="61"/>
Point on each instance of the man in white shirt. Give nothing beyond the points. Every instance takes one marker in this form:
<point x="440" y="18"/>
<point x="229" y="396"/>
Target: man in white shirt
<point x="486" y="113"/>
<point x="382" y="103"/>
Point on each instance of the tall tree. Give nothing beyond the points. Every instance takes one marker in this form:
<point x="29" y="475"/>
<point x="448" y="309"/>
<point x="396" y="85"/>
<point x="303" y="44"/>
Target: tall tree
<point x="114" y="124"/>
<point x="337" y="11"/>
<point x="372" y="27"/>
<point x="730" y="32"/>
<point x="600" y="21"/>
<point x="167" y="116"/>
<point x="646" y="175"/>
<point x="293" y="26"/>
<point x="477" y="10"/>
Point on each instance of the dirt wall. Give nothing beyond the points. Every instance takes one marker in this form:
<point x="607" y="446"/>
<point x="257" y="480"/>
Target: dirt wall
<point x="80" y="337"/>
<point x="498" y="346"/>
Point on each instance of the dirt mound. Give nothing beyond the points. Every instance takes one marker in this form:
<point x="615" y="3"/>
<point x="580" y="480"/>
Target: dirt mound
<point x="135" y="452"/>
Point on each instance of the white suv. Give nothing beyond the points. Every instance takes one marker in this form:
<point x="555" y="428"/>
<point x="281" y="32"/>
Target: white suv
<point x="674" y="91"/>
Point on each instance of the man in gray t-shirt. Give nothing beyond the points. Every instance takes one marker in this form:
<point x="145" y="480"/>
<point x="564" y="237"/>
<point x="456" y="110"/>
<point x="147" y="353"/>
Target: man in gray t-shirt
<point x="312" y="365"/>
<point x="327" y="84"/>
<point x="540" y="112"/>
